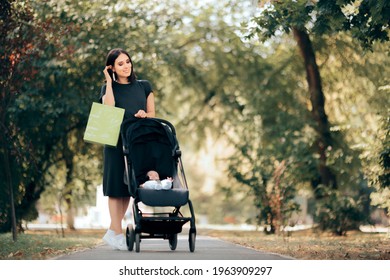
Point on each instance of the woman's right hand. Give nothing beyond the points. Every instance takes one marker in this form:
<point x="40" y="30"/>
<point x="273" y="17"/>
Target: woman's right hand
<point x="106" y="74"/>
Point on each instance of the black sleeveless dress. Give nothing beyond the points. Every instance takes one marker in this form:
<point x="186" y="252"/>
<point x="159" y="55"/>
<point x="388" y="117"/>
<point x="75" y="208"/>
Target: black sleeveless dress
<point x="131" y="97"/>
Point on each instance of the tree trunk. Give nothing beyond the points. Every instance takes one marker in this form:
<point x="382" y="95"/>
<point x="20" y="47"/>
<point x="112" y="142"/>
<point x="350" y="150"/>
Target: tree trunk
<point x="9" y="183"/>
<point x="68" y="156"/>
<point x="324" y="140"/>
<point x="69" y="213"/>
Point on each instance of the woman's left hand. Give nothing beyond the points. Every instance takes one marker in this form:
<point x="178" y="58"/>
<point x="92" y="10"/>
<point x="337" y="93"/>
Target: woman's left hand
<point x="141" y="114"/>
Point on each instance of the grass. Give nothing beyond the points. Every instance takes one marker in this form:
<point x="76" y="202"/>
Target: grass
<point x="309" y="245"/>
<point x="304" y="245"/>
<point x="38" y="245"/>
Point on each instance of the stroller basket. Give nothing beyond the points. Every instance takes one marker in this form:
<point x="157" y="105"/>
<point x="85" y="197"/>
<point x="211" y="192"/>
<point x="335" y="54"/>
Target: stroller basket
<point x="164" y="225"/>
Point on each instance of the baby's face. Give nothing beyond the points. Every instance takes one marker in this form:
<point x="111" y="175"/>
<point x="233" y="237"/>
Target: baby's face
<point x="153" y="175"/>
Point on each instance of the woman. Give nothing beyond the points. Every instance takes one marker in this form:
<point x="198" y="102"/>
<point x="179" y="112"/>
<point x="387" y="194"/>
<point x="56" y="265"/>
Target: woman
<point x="122" y="89"/>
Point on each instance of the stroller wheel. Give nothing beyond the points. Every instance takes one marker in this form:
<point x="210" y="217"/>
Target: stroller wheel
<point x="137" y="241"/>
<point x="173" y="241"/>
<point x="130" y="236"/>
<point x="191" y="239"/>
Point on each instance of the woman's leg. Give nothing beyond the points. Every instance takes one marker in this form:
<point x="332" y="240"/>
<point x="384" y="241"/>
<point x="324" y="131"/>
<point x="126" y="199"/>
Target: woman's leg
<point x="117" y="207"/>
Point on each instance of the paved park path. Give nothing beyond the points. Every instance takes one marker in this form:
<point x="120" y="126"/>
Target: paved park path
<point x="206" y="248"/>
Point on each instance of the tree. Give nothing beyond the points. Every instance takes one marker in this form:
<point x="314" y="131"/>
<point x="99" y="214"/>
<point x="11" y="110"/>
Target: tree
<point x="27" y="137"/>
<point x="21" y="42"/>
<point x="367" y="21"/>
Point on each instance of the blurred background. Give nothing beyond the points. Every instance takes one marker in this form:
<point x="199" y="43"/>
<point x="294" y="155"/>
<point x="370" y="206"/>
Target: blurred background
<point x="281" y="108"/>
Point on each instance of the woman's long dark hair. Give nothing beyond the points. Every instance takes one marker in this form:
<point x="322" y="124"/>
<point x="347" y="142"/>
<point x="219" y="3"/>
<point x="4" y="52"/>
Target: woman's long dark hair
<point x="112" y="56"/>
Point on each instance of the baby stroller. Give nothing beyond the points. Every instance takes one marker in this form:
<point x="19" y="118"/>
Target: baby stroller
<point x="151" y="144"/>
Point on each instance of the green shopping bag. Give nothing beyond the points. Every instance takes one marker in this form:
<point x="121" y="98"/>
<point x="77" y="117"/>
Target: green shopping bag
<point x="104" y="124"/>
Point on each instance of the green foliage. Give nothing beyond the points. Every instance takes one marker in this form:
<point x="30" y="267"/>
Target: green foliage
<point x="273" y="140"/>
<point x="273" y="192"/>
<point x="381" y="175"/>
<point x="371" y="22"/>
<point x="22" y="42"/>
<point x="366" y="20"/>
<point x="339" y="212"/>
<point x="41" y="109"/>
<point x="384" y="177"/>
<point x="282" y="17"/>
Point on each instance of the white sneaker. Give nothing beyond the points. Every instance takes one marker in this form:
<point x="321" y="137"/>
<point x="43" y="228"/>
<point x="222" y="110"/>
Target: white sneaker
<point x="116" y="241"/>
<point x="108" y="237"/>
<point x="120" y="242"/>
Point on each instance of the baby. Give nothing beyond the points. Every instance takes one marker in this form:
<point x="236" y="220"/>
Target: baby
<point x="154" y="182"/>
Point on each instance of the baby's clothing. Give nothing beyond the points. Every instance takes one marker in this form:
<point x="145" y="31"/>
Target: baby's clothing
<point x="158" y="185"/>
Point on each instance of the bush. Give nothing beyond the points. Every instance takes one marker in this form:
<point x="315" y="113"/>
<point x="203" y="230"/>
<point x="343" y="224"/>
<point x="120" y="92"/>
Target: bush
<point x="339" y="212"/>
